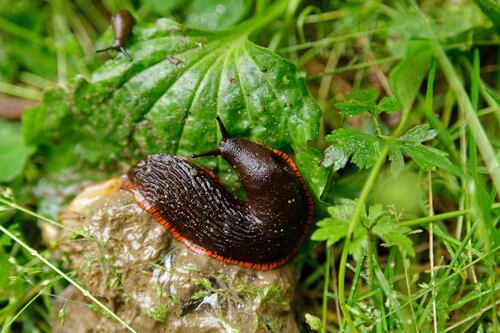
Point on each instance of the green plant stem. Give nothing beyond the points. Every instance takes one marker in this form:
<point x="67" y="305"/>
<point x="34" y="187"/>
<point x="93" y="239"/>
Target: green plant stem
<point x="369" y="260"/>
<point x="370" y="181"/>
<point x="35" y="215"/>
<point x="19" y="91"/>
<point x="443" y="216"/>
<point x="85" y="292"/>
<point x="324" y="312"/>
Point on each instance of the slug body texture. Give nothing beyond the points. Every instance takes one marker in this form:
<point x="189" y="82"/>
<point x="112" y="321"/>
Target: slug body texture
<point x="261" y="233"/>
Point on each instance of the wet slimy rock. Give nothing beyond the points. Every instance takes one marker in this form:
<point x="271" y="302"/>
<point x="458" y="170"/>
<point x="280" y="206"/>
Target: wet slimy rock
<point x="155" y="283"/>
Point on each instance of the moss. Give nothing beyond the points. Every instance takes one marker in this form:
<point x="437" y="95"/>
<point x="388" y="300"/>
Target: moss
<point x="158" y="313"/>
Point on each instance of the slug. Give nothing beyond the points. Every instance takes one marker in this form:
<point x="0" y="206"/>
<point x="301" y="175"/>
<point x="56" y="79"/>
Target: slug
<point x="261" y="233"/>
<point x="122" y="23"/>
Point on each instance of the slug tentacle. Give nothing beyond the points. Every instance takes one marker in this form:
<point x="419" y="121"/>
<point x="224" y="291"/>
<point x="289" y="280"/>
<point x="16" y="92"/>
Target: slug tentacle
<point x="122" y="23"/>
<point x="262" y="233"/>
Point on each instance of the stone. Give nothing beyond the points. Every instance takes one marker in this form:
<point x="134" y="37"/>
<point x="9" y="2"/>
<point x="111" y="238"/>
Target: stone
<point x="153" y="282"/>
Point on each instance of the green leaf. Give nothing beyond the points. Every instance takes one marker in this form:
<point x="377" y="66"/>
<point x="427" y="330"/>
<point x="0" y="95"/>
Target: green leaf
<point x="13" y="151"/>
<point x="215" y="14"/>
<point x="406" y="77"/>
<point x="394" y="234"/>
<point x="375" y="214"/>
<point x="330" y="230"/>
<point x="397" y="160"/>
<point x="359" y="101"/>
<point x="491" y="8"/>
<point x="167" y="98"/>
<point x="363" y="148"/>
<point x="335" y="227"/>
<point x="162" y="7"/>
<point x="419" y="134"/>
<point x="425" y="157"/>
<point x="314" y="322"/>
<point x="428" y="157"/>
<point x="389" y="104"/>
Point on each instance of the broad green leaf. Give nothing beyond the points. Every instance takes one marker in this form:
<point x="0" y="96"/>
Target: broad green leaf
<point x="13" y="151"/>
<point x="394" y="234"/>
<point x="407" y="76"/>
<point x="363" y="148"/>
<point x="167" y="98"/>
<point x="215" y="14"/>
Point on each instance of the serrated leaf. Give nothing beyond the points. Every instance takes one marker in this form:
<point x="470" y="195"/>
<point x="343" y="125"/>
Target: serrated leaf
<point x="330" y="230"/>
<point x="344" y="211"/>
<point x="394" y="234"/>
<point x="428" y="157"/>
<point x="167" y="98"/>
<point x="389" y="104"/>
<point x="363" y="148"/>
<point x="13" y="151"/>
<point x="419" y="134"/>
<point x="314" y="322"/>
<point x="375" y="214"/>
<point x="359" y="101"/>
<point x="335" y="227"/>
<point x="364" y="95"/>
<point x="397" y="160"/>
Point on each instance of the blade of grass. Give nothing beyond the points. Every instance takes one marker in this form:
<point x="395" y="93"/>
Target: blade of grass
<point x="428" y="108"/>
<point x="19" y="91"/>
<point x="84" y="291"/>
<point x="441" y="217"/>
<point x="324" y="311"/>
<point x="397" y="309"/>
<point x="369" y="183"/>
<point x="483" y="143"/>
<point x="440" y="283"/>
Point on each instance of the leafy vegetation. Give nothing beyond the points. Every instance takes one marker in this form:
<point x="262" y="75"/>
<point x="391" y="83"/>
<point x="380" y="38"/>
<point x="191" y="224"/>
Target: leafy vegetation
<point x="390" y="109"/>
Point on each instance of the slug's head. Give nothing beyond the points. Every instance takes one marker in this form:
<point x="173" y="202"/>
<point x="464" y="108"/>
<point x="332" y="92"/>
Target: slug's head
<point x="240" y="152"/>
<point x="259" y="167"/>
<point x="269" y="177"/>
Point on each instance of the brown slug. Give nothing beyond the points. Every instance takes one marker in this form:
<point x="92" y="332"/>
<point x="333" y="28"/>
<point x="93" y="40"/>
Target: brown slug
<point x="122" y="23"/>
<point x="261" y="233"/>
